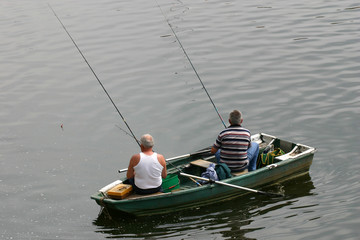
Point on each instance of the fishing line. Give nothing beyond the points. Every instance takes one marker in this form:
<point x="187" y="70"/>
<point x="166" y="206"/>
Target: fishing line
<point x="122" y="117"/>
<point x="178" y="40"/>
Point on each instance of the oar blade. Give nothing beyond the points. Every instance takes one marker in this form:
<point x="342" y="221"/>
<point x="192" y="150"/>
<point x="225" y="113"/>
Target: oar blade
<point x="270" y="194"/>
<point x="234" y="186"/>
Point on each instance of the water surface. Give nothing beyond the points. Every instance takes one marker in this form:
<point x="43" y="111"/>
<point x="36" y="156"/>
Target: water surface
<point x="292" y="68"/>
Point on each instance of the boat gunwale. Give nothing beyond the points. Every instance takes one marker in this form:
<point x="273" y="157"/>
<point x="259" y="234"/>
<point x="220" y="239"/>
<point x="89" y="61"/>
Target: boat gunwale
<point x="304" y="157"/>
<point x="231" y="180"/>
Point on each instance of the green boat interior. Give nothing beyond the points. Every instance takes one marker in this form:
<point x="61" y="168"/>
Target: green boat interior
<point x="197" y="163"/>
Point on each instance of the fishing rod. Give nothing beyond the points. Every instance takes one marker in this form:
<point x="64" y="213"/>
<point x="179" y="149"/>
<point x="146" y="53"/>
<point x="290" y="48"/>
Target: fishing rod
<point x="92" y="70"/>
<point x="100" y="82"/>
<point x="105" y="89"/>
<point x="178" y="40"/>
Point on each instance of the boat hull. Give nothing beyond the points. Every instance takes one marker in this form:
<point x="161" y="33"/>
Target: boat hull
<point x="209" y="193"/>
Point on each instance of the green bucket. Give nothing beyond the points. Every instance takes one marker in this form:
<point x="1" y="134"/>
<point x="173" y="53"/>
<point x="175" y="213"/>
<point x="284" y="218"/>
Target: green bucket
<point x="170" y="183"/>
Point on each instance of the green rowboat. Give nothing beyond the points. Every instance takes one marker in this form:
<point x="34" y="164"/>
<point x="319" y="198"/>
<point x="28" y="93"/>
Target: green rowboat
<point x="189" y="194"/>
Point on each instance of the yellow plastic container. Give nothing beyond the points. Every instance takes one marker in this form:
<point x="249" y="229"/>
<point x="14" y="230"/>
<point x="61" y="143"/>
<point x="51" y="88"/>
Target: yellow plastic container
<point x="120" y="191"/>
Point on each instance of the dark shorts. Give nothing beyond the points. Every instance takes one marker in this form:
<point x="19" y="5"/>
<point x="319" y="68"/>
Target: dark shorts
<point x="141" y="191"/>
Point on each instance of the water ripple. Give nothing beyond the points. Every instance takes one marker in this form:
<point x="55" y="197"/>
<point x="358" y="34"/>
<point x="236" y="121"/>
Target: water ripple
<point x="290" y="67"/>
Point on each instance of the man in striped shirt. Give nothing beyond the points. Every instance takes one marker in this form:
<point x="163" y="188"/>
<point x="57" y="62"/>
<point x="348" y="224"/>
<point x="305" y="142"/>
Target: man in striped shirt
<point x="233" y="146"/>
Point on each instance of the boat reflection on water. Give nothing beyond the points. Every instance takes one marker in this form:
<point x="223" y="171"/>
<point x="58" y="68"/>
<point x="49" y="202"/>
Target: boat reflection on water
<point x="230" y="219"/>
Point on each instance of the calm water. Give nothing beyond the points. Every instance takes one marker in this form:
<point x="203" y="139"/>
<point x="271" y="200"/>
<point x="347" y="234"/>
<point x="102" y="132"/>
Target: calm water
<point x="292" y="68"/>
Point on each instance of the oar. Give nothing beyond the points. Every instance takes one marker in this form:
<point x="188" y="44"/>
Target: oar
<point x="233" y="186"/>
<point x="206" y="150"/>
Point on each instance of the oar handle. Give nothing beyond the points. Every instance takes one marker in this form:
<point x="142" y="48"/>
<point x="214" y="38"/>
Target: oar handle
<point x="122" y="170"/>
<point x="178" y="157"/>
<point x="232" y="185"/>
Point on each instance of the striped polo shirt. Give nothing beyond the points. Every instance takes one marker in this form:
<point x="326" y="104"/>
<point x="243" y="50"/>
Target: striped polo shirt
<point x="234" y="143"/>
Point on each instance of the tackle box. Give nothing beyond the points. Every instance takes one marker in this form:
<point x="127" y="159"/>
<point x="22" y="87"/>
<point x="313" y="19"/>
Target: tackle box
<point x="120" y="191"/>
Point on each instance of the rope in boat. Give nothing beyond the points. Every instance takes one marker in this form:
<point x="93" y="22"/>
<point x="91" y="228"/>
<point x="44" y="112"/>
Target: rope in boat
<point x="92" y="70"/>
<point x="178" y="40"/>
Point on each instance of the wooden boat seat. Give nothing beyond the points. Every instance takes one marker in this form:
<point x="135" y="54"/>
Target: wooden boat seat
<point x="201" y="163"/>
<point x="240" y="173"/>
<point x="205" y="164"/>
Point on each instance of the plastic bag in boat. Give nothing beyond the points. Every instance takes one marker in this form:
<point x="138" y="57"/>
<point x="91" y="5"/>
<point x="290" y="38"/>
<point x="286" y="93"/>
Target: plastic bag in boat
<point x="265" y="159"/>
<point x="210" y="173"/>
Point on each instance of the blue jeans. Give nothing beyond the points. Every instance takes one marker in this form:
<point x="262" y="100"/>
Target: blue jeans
<point x="252" y="154"/>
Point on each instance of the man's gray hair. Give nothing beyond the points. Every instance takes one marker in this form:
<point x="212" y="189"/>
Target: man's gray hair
<point x="235" y="117"/>
<point x="147" y="140"/>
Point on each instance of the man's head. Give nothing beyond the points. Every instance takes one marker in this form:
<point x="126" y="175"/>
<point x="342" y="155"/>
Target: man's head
<point x="147" y="141"/>
<point x="235" y="117"/>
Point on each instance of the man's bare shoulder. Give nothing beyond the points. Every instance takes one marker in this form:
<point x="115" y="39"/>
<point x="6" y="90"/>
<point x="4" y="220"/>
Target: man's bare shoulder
<point x="161" y="158"/>
<point x="160" y="155"/>
<point x="135" y="158"/>
<point x="137" y="155"/>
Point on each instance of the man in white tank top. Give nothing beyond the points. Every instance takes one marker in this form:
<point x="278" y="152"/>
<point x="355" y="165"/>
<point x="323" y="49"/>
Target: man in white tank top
<point x="147" y="168"/>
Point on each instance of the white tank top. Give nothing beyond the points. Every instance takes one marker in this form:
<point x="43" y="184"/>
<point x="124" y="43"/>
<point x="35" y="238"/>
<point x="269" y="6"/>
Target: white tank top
<point x="148" y="172"/>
